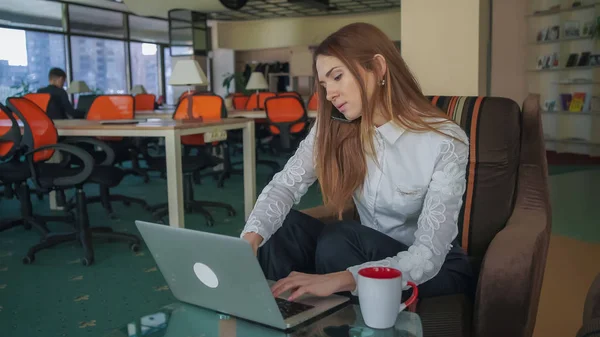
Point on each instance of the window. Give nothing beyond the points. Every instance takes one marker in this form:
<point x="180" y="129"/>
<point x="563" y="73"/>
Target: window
<point x="149" y="30"/>
<point x="145" y="66"/>
<point x="168" y="68"/>
<point x="24" y="66"/>
<point x="95" y="21"/>
<point x="100" y="63"/>
<point x="31" y="14"/>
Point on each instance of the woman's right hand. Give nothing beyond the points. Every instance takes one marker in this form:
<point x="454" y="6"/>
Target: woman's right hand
<point x="254" y="239"/>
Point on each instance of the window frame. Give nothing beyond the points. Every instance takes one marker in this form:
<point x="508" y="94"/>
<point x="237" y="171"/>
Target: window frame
<point x="67" y="34"/>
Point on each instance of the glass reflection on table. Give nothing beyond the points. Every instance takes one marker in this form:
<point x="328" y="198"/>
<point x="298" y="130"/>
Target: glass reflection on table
<point x="185" y="320"/>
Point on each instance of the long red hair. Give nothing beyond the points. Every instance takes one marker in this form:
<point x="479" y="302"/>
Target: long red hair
<point x="341" y="148"/>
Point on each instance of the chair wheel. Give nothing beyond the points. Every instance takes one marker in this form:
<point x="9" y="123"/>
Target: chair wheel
<point x="210" y="223"/>
<point x="28" y="259"/>
<point x="134" y="247"/>
<point x="126" y="203"/>
<point x="87" y="261"/>
<point x="231" y="212"/>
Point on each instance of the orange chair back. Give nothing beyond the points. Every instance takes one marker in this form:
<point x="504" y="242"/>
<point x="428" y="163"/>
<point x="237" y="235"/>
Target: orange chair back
<point x="185" y="94"/>
<point x="313" y="102"/>
<point x="41" y="99"/>
<point x="209" y="107"/>
<point x="38" y="128"/>
<point x="289" y="93"/>
<point x="288" y="109"/>
<point x="108" y="107"/>
<point x="144" y="102"/>
<point x="239" y="101"/>
<point x="10" y="133"/>
<point x="259" y="104"/>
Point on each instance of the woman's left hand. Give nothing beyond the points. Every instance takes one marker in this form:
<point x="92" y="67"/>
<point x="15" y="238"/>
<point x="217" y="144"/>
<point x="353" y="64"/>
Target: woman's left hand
<point x="318" y="285"/>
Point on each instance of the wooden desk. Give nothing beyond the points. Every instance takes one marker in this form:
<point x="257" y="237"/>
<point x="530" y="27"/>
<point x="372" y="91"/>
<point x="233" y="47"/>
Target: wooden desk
<point x="259" y="114"/>
<point x="172" y="131"/>
<point x="166" y="114"/>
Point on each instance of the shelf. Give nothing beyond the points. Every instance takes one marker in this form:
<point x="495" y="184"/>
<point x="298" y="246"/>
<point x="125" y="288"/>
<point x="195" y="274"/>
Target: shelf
<point x="571" y="141"/>
<point x="576" y="83"/>
<point x="560" y="11"/>
<point x="593" y="112"/>
<point x="565" y="69"/>
<point x="570" y="39"/>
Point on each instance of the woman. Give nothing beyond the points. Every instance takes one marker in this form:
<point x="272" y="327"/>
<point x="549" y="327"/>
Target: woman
<point x="401" y="160"/>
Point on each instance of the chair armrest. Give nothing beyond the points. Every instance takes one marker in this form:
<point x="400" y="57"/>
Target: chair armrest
<point x="327" y="215"/>
<point x="73" y="180"/>
<point x="512" y="270"/>
<point x="110" y="153"/>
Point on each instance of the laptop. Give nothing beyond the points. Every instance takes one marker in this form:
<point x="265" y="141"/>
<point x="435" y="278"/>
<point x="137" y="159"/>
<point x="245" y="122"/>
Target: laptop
<point x="221" y="273"/>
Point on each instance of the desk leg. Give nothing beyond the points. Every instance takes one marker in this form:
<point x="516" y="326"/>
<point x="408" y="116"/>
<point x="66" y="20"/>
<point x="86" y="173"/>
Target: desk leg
<point x="174" y="179"/>
<point x="249" y="169"/>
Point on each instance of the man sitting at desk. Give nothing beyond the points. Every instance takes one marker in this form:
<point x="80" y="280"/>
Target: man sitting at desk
<point x="61" y="107"/>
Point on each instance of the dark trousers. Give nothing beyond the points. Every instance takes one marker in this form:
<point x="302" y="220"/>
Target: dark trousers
<point x="305" y="244"/>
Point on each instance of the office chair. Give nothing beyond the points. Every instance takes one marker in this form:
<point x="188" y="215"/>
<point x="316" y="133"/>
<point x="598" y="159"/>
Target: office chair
<point x="288" y="121"/>
<point x="41" y="143"/>
<point x="289" y="93"/>
<point x="107" y="107"/>
<point x="144" y="101"/>
<point x="208" y="107"/>
<point x="14" y="174"/>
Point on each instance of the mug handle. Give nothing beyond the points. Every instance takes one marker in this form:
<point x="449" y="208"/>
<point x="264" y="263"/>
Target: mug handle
<point x="412" y="297"/>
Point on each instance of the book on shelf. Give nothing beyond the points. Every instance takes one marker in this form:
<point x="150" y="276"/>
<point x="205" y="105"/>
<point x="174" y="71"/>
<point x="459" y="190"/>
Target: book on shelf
<point x="577" y="102"/>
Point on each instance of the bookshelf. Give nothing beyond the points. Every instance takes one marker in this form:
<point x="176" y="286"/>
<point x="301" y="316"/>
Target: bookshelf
<point x="563" y="66"/>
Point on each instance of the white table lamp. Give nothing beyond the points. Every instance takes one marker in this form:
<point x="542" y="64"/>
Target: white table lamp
<point x="78" y="87"/>
<point x="188" y="73"/>
<point x="138" y="89"/>
<point x="257" y="82"/>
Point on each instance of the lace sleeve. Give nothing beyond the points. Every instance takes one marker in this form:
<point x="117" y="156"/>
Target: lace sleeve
<point x="437" y="223"/>
<point x="285" y="189"/>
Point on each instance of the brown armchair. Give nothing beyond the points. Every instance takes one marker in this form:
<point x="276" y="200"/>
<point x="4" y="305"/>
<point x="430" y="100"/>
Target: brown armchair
<point x="505" y="222"/>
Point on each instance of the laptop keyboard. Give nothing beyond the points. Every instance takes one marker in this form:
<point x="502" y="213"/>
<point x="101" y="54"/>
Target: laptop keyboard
<point x="289" y="309"/>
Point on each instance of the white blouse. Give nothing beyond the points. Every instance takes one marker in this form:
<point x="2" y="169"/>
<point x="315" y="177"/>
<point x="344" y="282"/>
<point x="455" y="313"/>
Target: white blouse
<point x="414" y="195"/>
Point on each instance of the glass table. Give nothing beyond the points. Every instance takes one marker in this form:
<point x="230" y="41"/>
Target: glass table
<point x="184" y="320"/>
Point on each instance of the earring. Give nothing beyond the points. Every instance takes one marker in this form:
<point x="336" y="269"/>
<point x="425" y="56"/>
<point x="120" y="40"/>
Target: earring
<point x="382" y="83"/>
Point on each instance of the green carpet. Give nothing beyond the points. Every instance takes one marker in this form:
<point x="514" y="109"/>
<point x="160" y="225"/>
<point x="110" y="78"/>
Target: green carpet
<point x="57" y="296"/>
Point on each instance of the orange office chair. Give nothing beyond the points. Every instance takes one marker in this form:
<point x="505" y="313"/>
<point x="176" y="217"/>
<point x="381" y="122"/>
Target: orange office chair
<point x="48" y="104"/>
<point x="144" y="101"/>
<point x="239" y="101"/>
<point x="40" y="139"/>
<point x="289" y="93"/>
<point x="14" y="173"/>
<point x="108" y="107"/>
<point x="257" y="102"/>
<point x="208" y="107"/>
<point x="287" y="120"/>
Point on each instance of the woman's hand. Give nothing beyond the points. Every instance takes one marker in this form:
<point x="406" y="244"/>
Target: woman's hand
<point x="318" y="285"/>
<point x="254" y="239"/>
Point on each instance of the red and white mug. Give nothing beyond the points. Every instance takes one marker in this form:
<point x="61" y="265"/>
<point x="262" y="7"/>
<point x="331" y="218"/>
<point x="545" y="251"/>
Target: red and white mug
<point x="380" y="296"/>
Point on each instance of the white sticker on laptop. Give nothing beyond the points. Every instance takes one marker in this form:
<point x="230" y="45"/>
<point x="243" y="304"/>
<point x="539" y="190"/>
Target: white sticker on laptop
<point x="206" y="275"/>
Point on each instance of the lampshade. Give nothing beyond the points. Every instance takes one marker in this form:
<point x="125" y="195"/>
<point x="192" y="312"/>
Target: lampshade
<point x="138" y="89"/>
<point x="257" y="81"/>
<point x="187" y="72"/>
<point x="77" y="87"/>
